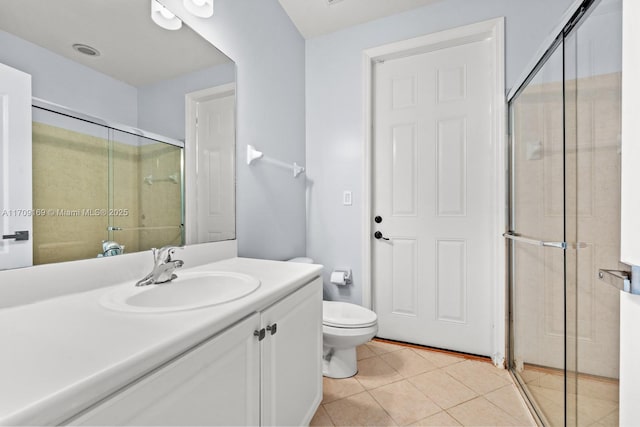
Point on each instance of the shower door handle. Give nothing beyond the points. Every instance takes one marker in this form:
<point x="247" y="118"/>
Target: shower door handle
<point x="619" y="279"/>
<point x="521" y="239"/>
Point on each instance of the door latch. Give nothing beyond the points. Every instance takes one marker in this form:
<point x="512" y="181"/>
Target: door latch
<point x="19" y="235"/>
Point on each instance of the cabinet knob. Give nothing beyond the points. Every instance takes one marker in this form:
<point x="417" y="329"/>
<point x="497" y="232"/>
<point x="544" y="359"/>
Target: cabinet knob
<point x="260" y="334"/>
<point x="273" y="328"/>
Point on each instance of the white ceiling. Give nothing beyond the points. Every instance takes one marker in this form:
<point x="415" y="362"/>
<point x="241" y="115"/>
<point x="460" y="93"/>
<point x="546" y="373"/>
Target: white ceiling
<point x="316" y="17"/>
<point x="133" y="49"/>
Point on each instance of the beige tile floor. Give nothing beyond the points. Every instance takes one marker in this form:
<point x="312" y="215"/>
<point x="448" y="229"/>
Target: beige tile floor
<point x="400" y="385"/>
<point x="596" y="400"/>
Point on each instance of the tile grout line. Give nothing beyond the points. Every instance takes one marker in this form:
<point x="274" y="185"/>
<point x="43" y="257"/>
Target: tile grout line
<point x="514" y="419"/>
<point x="393" y="382"/>
<point x="328" y="415"/>
<point x="442" y="369"/>
<point x="383" y="408"/>
<point x="417" y="389"/>
<point x="451" y="415"/>
<point x="520" y="400"/>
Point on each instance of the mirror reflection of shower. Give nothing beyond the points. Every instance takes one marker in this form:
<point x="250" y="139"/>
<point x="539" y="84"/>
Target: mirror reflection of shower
<point x="101" y="188"/>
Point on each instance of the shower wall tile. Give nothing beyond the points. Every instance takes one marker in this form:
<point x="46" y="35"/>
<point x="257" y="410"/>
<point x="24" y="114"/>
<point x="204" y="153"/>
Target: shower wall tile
<point x="69" y="174"/>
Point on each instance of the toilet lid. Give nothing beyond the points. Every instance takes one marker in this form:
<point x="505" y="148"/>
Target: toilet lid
<point x="346" y="315"/>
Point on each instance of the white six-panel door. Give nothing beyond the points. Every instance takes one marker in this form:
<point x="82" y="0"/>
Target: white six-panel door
<point x="15" y="167"/>
<point x="432" y="186"/>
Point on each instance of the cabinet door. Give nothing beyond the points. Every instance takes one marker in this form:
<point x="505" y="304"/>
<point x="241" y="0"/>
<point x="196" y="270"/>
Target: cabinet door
<point x="217" y="383"/>
<point x="292" y="358"/>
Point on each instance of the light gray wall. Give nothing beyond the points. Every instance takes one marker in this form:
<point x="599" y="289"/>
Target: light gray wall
<point x="68" y="83"/>
<point x="161" y="106"/>
<point x="270" y="56"/>
<point x="334" y="104"/>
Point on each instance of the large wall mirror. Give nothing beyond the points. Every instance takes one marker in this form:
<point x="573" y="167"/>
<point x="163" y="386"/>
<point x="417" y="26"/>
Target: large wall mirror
<point x="133" y="137"/>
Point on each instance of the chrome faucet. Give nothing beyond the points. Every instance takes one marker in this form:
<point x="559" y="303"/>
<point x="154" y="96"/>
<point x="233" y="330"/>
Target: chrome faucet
<point x="111" y="248"/>
<point x="163" y="268"/>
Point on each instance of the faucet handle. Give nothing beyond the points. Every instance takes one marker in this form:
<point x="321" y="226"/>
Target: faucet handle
<point x="169" y="250"/>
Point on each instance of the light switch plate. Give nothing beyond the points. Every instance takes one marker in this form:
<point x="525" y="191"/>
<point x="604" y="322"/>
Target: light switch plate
<point x="347" y="198"/>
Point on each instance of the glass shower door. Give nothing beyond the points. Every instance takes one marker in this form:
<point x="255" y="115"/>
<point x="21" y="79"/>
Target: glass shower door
<point x="145" y="192"/>
<point x="593" y="64"/>
<point x="537" y="225"/>
<point x="70" y="179"/>
<point x="565" y="223"/>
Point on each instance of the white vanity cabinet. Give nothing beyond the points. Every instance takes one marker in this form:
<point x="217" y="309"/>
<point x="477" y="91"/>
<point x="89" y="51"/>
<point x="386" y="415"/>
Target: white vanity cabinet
<point x="292" y="358"/>
<point x="235" y="377"/>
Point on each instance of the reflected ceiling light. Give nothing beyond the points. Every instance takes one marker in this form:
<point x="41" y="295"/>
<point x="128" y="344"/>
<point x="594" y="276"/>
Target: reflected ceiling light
<point x="163" y="17"/>
<point x="199" y="8"/>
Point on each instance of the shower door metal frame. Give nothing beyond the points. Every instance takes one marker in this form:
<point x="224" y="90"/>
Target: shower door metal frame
<point x="511" y="237"/>
<point x="59" y="109"/>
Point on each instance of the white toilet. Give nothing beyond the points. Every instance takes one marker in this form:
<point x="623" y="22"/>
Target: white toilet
<point x="344" y="327"/>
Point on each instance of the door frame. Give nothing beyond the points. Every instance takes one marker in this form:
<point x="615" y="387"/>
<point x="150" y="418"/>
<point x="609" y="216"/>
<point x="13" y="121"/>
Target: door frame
<point x="492" y="30"/>
<point x="191" y="150"/>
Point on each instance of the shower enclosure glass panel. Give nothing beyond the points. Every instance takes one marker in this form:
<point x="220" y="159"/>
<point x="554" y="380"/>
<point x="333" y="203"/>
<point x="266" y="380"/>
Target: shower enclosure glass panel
<point x="538" y="326"/>
<point x="593" y="63"/>
<point x="70" y="184"/>
<point x="565" y="187"/>
<point x="146" y="192"/>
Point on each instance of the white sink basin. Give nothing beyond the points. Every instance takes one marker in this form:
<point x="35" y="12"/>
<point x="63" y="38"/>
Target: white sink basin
<point x="189" y="291"/>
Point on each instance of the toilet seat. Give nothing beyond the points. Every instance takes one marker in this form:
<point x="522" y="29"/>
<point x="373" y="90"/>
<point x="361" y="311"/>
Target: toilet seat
<point x="345" y="315"/>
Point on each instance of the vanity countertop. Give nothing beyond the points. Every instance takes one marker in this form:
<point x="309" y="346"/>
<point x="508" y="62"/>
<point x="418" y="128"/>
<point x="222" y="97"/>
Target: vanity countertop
<point x="64" y="354"/>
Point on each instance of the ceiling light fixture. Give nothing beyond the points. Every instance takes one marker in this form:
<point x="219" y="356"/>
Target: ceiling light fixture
<point x="199" y="8"/>
<point x="163" y="17"/>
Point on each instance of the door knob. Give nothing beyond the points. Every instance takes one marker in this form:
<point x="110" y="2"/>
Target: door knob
<point x="378" y="235"/>
<point x="378" y="219"/>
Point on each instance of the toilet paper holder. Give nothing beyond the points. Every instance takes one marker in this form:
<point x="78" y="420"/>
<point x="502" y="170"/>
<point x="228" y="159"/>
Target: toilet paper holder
<point x="341" y="277"/>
